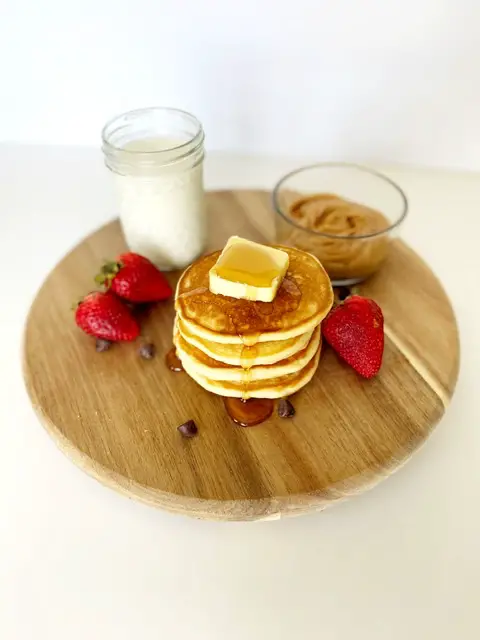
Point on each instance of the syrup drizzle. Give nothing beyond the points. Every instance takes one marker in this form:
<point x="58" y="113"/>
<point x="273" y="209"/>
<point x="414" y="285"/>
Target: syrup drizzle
<point x="250" y="340"/>
<point x="292" y="288"/>
<point x="264" y="308"/>
<point x="248" y="356"/>
<point x="173" y="361"/>
<point x="242" y="315"/>
<point x="247" y="360"/>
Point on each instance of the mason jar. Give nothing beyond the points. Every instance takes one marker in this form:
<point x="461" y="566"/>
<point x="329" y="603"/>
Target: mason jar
<point x="156" y="156"/>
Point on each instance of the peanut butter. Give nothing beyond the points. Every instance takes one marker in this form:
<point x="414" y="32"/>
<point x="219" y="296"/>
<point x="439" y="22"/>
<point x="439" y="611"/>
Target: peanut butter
<point x="344" y="256"/>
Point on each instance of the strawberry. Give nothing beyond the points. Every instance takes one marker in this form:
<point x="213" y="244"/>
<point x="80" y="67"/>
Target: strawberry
<point x="354" y="329"/>
<point x="134" y="278"/>
<point x="103" y="315"/>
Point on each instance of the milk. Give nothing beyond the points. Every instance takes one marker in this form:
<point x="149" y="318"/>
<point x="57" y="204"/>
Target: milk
<point x="160" y="194"/>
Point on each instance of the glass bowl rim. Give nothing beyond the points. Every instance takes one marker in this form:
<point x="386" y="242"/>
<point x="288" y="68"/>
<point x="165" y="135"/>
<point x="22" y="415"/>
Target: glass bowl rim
<point x="340" y="165"/>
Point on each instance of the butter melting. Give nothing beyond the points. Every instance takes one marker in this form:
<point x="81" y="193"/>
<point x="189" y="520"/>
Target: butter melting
<point x="248" y="270"/>
<point x="248" y="265"/>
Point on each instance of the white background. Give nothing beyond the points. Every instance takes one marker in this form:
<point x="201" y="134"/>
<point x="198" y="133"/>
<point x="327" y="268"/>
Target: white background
<point x="374" y="80"/>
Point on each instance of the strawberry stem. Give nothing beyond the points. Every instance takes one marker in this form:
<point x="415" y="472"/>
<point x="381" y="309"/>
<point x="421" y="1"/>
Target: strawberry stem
<point x="107" y="273"/>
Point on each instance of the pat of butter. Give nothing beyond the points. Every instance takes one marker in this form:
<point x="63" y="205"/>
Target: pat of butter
<point x="248" y="270"/>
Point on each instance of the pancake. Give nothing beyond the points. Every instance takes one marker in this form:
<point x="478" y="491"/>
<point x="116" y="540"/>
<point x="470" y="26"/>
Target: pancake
<point x="195" y="360"/>
<point x="273" y="388"/>
<point x="236" y="354"/>
<point x="302" y="301"/>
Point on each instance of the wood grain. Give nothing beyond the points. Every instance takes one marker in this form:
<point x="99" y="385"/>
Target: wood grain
<point x="116" y="415"/>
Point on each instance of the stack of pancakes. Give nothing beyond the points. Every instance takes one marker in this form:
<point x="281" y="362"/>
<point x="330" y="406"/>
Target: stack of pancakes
<point x="247" y="349"/>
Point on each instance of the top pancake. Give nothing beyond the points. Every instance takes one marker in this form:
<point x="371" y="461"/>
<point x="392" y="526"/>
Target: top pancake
<point x="302" y="301"/>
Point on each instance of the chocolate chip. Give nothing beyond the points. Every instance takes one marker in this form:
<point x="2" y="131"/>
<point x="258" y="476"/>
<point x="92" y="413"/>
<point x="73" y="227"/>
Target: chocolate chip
<point x="147" y="351"/>
<point x="188" y="429"/>
<point x="102" y="345"/>
<point x="285" y="409"/>
<point x="343" y="293"/>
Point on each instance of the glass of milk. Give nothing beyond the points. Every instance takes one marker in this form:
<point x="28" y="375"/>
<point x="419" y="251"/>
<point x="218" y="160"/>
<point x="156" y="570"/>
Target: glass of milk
<point x="156" y="159"/>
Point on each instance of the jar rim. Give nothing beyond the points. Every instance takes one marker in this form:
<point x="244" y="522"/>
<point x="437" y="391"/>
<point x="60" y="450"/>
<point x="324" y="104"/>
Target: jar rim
<point x="198" y="137"/>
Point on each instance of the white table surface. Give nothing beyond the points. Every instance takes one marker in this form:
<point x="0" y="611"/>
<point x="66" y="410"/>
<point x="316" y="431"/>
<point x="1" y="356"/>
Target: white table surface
<point x="79" y="561"/>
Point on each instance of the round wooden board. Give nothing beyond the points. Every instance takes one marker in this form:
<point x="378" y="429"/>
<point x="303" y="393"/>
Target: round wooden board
<point x="116" y="415"/>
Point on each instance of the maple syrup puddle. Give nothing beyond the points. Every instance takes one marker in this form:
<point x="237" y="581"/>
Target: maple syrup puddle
<point x="173" y="361"/>
<point x="248" y="413"/>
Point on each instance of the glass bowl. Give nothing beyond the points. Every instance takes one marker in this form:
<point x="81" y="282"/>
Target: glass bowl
<point x="344" y="214"/>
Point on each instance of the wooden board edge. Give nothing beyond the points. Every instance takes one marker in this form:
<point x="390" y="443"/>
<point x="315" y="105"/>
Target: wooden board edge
<point x="274" y="508"/>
